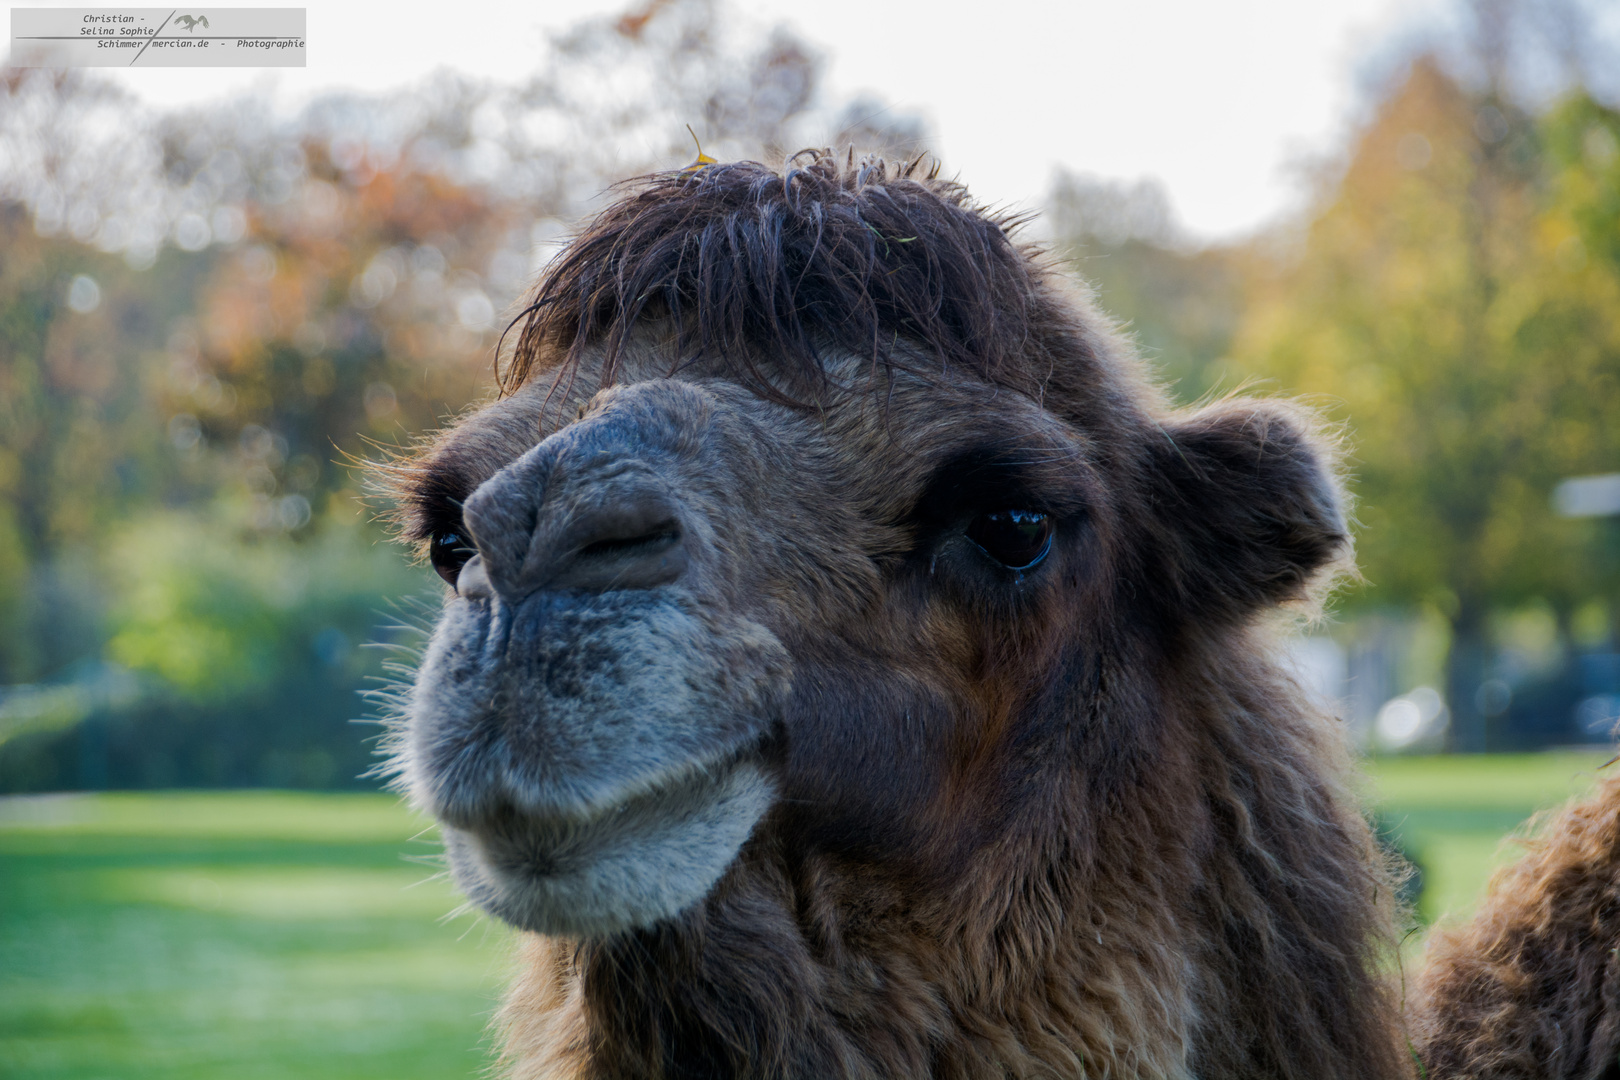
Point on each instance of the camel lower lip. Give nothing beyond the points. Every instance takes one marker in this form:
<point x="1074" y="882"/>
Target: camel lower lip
<point x="547" y="845"/>
<point x="643" y="860"/>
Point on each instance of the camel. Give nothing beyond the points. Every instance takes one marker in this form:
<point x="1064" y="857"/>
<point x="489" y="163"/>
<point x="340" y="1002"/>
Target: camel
<point x="852" y="665"/>
<point x="1529" y="988"/>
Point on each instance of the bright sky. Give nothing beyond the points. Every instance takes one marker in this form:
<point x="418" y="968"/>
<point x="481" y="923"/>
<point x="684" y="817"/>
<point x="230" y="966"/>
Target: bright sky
<point x="1217" y="100"/>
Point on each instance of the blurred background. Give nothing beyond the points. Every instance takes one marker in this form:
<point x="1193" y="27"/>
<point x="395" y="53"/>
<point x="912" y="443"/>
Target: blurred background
<point x="215" y="302"/>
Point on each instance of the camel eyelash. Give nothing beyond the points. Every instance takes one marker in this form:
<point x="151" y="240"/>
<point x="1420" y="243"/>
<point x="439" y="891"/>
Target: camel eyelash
<point x="994" y="479"/>
<point x="436" y="504"/>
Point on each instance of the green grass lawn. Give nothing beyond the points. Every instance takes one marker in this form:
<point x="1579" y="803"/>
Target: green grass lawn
<point x="234" y="935"/>
<point x="251" y="934"/>
<point x="1453" y="813"/>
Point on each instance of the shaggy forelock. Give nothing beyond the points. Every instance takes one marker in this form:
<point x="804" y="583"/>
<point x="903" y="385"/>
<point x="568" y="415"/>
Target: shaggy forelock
<point x="869" y="259"/>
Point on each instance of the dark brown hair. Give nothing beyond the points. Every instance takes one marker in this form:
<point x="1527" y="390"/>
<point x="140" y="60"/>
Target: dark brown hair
<point x="742" y="259"/>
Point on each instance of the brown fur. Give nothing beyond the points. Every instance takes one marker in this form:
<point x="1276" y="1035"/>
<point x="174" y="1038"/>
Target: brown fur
<point x="1074" y="825"/>
<point x="1529" y="989"/>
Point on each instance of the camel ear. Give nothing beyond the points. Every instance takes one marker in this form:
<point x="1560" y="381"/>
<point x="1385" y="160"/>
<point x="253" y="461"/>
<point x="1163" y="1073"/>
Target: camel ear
<point x="1250" y="505"/>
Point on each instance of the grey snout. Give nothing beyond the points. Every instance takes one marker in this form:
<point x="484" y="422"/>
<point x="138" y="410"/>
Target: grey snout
<point x="606" y="526"/>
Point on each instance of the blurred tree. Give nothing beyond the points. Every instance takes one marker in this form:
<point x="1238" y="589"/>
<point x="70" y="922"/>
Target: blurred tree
<point x="1438" y="307"/>
<point x="1179" y="302"/>
<point x="78" y="333"/>
<point x="364" y="306"/>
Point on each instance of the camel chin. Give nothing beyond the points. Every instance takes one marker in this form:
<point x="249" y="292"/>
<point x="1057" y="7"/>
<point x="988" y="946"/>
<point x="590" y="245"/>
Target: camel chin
<point x="647" y="859"/>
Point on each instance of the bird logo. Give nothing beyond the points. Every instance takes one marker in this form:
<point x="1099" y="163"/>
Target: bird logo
<point x="191" y="22"/>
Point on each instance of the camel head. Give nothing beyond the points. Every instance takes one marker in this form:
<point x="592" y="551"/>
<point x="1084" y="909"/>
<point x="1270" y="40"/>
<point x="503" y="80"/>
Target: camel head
<point x="831" y="599"/>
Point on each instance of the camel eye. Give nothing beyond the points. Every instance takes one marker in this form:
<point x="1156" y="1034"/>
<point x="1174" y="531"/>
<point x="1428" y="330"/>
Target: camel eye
<point x="1017" y="539"/>
<point x="448" y="552"/>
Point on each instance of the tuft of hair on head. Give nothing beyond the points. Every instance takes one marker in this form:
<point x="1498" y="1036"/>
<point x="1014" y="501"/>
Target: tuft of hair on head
<point x="859" y="257"/>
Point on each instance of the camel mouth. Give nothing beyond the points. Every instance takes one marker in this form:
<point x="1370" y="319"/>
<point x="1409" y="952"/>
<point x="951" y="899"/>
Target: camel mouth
<point x="629" y="865"/>
<point x="598" y="764"/>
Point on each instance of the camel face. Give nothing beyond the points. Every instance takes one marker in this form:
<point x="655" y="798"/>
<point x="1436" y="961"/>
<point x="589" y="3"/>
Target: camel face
<point x="607" y="710"/>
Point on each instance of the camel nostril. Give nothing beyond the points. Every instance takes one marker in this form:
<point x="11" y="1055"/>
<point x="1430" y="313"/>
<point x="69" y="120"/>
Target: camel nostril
<point x="631" y="543"/>
<point x="657" y="538"/>
<point x="589" y="525"/>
